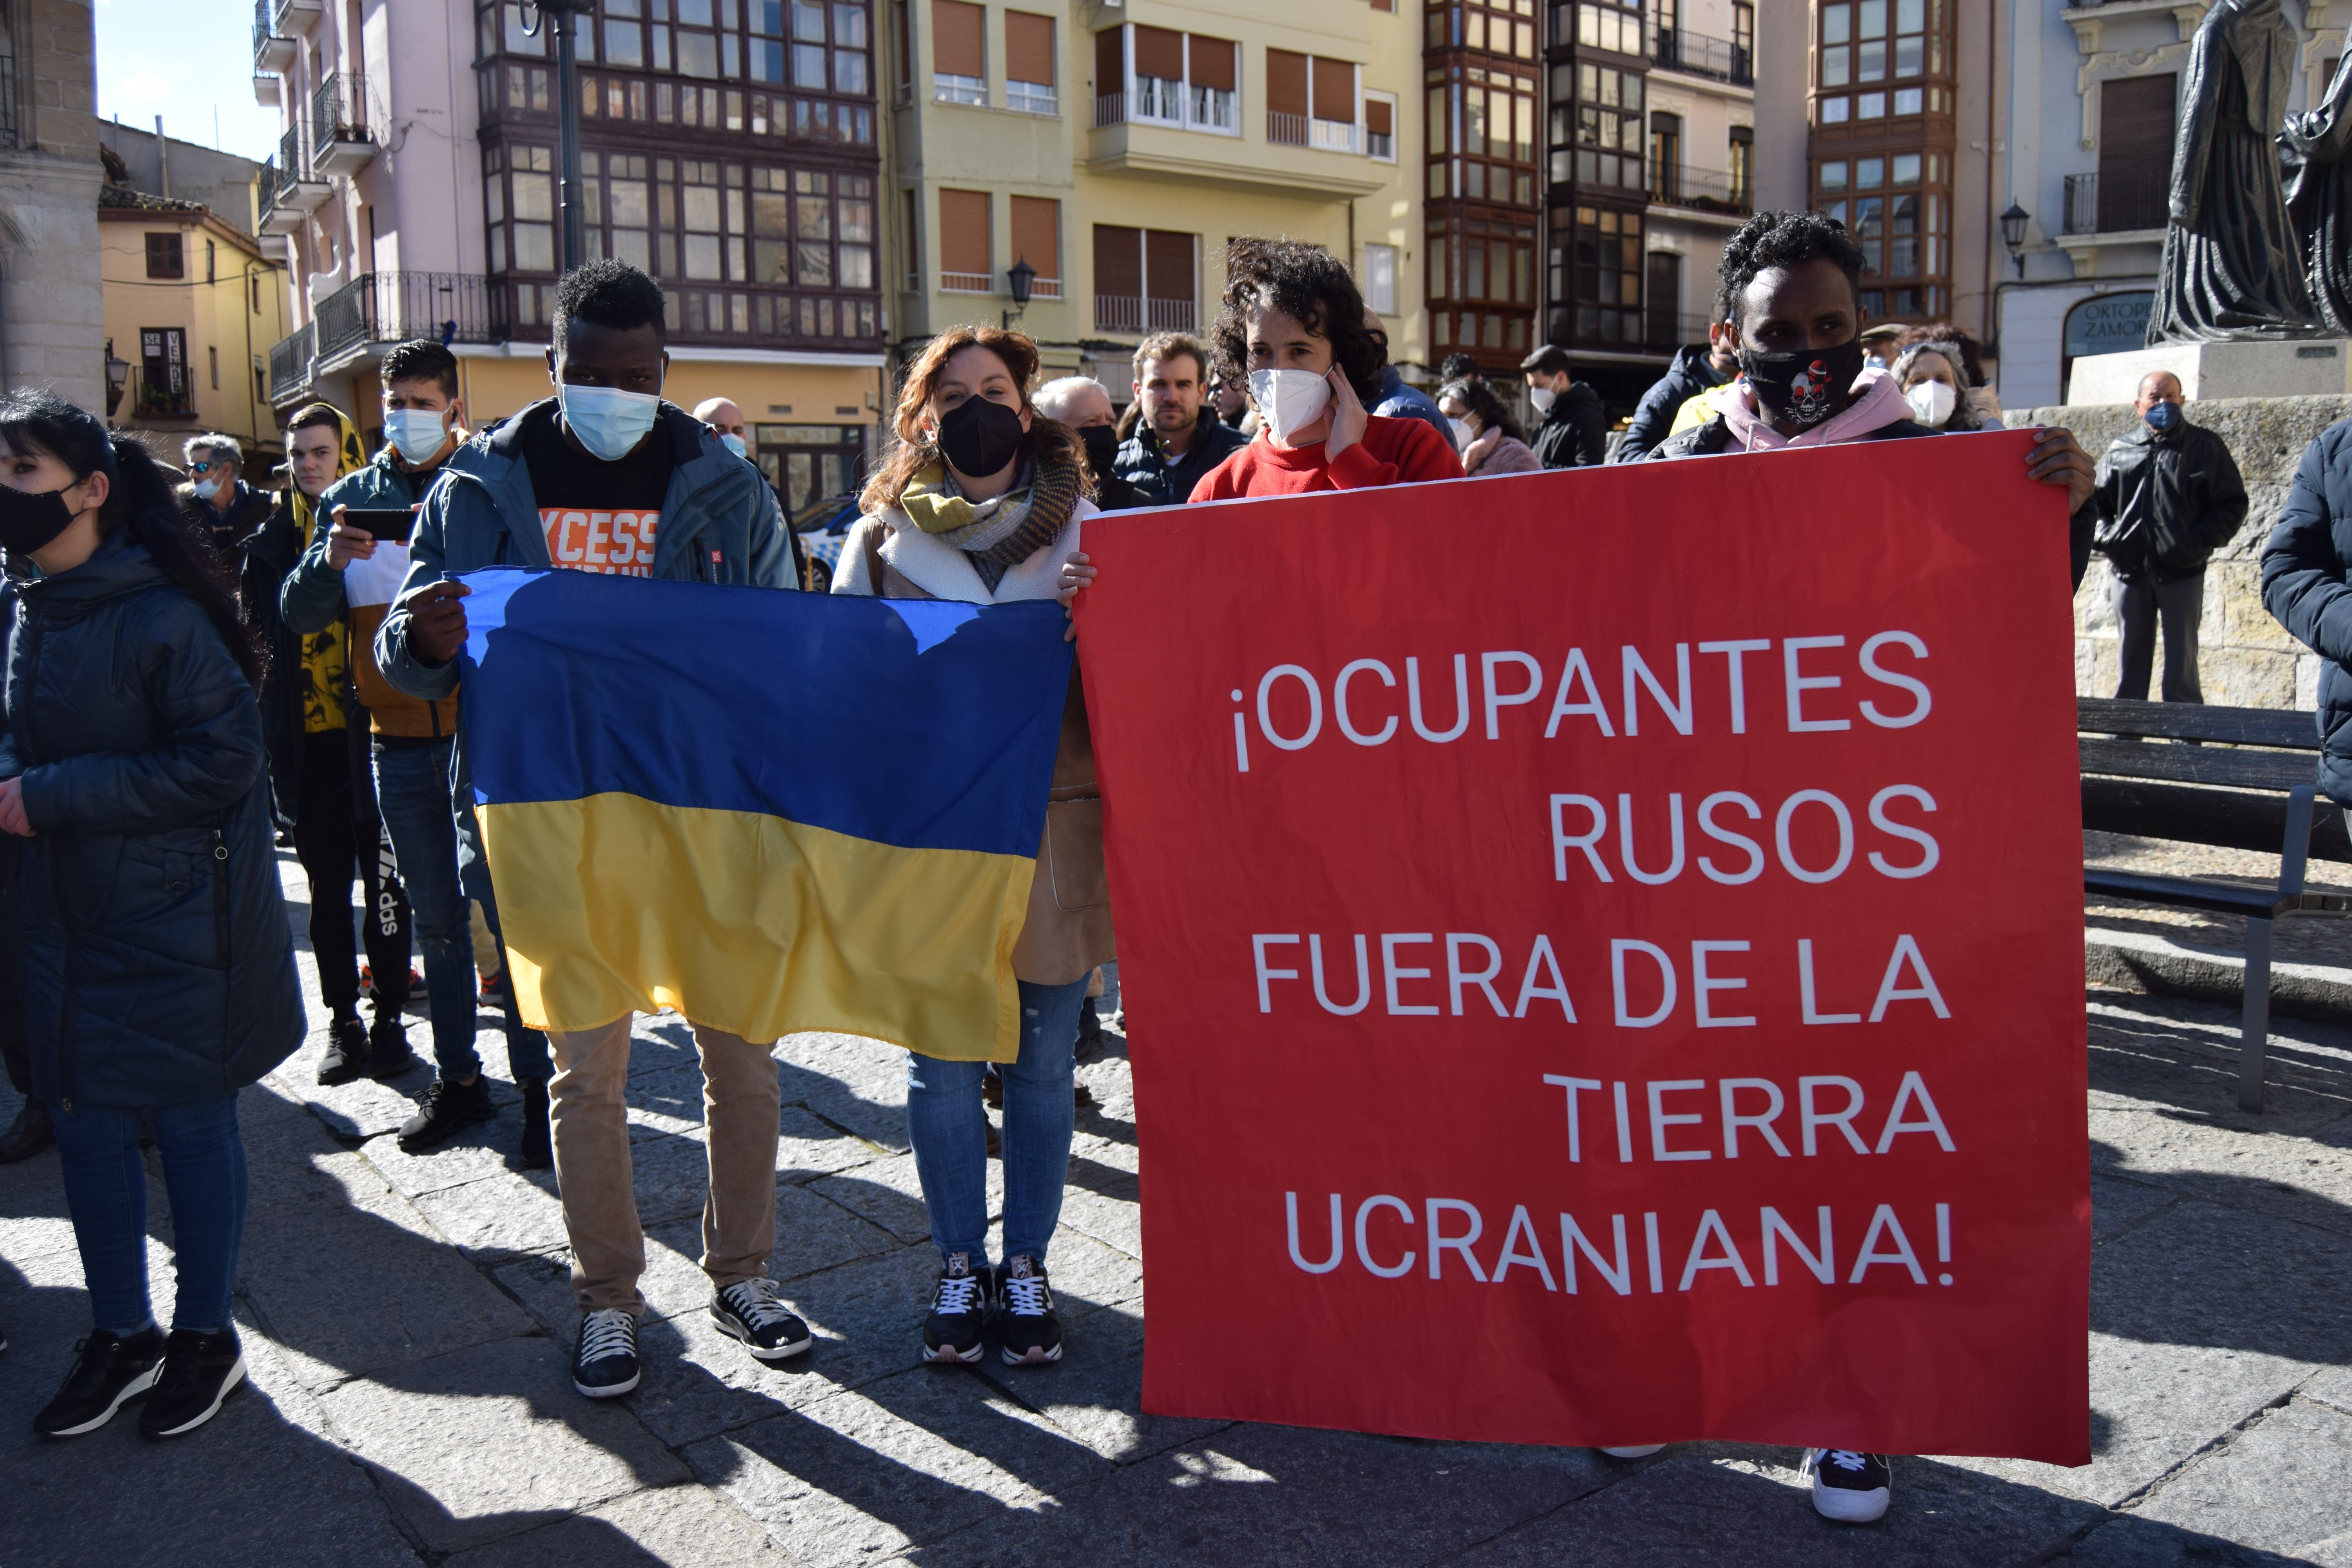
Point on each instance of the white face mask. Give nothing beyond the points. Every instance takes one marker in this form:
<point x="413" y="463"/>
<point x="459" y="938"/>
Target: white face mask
<point x="609" y="422"/>
<point x="734" y="444"/>
<point x="1542" y="398"/>
<point x="1463" y="432"/>
<point x="1932" y="400"/>
<point x="417" y="434"/>
<point x="207" y="489"/>
<point x="1288" y="400"/>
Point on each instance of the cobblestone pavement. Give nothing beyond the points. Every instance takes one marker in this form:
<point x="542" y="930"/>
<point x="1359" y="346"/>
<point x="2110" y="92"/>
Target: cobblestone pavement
<point x="406" y="1319"/>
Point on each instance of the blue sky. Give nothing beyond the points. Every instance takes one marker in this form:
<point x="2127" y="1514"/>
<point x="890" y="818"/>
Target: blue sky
<point x="186" y="61"/>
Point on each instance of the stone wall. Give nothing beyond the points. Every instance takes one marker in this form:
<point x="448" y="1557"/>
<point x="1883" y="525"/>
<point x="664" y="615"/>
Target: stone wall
<point x="52" y="319"/>
<point x="2244" y="658"/>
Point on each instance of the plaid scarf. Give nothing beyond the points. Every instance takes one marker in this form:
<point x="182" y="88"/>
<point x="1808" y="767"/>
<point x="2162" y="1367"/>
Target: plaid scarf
<point x="999" y="534"/>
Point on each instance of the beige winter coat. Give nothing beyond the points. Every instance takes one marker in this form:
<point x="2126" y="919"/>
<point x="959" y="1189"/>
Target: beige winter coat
<point x="1068" y="929"/>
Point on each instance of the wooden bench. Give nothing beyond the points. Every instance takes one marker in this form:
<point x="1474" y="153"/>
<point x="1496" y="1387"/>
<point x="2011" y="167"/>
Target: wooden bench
<point x="2238" y="778"/>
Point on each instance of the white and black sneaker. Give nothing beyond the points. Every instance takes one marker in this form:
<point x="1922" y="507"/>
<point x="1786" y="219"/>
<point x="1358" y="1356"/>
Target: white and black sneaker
<point x="1032" y="1334"/>
<point x="109" y="1371"/>
<point x="1637" y="1451"/>
<point x="604" y="1364"/>
<point x="959" y="1313"/>
<point x="1849" y="1487"/>
<point x="749" y="1310"/>
<point x="199" y="1372"/>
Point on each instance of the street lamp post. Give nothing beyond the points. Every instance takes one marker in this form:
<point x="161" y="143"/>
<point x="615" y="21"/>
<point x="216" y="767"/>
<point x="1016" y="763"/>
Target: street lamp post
<point x="560" y="17"/>
<point x="1020" y="276"/>
<point x="2012" y="234"/>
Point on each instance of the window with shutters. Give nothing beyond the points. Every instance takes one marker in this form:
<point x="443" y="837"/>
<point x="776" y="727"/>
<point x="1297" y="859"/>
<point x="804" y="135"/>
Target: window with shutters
<point x="1157" y="76"/>
<point x="959" y="52"/>
<point x="1146" y="280"/>
<point x="1331" y="90"/>
<point x="1380" y="126"/>
<point x="165" y="257"/>
<point x="1029" y="74"/>
<point x="2135" y="177"/>
<point x="966" y="259"/>
<point x="1037" y="240"/>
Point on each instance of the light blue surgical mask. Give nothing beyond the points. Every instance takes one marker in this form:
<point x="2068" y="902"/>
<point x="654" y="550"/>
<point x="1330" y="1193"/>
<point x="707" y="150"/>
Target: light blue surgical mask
<point x="734" y="444"/>
<point x="609" y="422"/>
<point x="417" y="434"/>
<point x="207" y="489"/>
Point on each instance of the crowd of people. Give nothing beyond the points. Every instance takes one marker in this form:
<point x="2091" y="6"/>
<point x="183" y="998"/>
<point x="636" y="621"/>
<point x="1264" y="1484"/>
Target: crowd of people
<point x="297" y="672"/>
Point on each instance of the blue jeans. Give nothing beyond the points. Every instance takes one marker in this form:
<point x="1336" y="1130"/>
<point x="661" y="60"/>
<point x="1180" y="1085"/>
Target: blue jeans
<point x="106" y="1192"/>
<point x="413" y="792"/>
<point x="526" y="1054"/>
<point x="412" y="788"/>
<point x="950" y="1131"/>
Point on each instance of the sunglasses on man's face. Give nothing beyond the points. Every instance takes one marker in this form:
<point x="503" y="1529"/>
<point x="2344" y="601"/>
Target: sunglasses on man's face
<point x="205" y="468"/>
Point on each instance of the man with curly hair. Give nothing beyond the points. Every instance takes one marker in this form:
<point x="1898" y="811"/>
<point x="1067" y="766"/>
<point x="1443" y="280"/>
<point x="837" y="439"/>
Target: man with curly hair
<point x="1788" y="296"/>
<point x="1293" y="329"/>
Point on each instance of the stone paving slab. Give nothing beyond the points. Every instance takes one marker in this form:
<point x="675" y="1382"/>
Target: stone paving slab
<point x="1291" y="1496"/>
<point x="1681" y="1509"/>
<point x="381" y="1288"/>
<point x="687" y="1524"/>
<point x="2283" y="1485"/>
<point x="898" y="1463"/>
<point x="491" y="1441"/>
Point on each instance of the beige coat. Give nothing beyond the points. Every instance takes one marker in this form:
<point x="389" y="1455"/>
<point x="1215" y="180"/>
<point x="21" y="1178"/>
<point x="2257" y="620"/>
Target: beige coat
<point x="1068" y="929"/>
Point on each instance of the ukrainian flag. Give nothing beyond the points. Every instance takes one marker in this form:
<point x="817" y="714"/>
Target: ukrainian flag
<point x="769" y="811"/>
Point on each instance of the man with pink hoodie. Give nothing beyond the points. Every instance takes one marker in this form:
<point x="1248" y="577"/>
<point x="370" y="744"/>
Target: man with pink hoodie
<point x="1788" y="291"/>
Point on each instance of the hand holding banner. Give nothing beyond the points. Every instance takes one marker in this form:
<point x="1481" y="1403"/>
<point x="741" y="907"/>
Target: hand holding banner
<point x="1604" y="951"/>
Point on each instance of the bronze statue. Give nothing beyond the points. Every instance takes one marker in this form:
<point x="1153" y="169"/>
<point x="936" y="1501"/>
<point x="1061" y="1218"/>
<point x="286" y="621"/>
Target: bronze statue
<point x="2231" y="266"/>
<point x="2319" y="195"/>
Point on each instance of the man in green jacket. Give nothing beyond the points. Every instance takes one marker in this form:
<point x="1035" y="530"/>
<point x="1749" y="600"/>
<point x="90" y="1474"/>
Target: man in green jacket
<point x="607" y="476"/>
<point x="348" y="577"/>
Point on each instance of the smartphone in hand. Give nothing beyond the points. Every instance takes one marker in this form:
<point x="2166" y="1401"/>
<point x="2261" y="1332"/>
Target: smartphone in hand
<point x="391" y="524"/>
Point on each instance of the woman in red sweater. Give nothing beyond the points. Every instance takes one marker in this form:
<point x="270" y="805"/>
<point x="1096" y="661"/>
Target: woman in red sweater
<point x="1293" y="325"/>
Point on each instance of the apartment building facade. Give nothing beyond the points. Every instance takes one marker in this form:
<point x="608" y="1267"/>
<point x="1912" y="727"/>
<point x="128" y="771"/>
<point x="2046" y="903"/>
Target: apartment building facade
<point x="1651" y="156"/>
<point x="1076" y="169"/>
<point x="192" y="308"/>
<point x="730" y="147"/>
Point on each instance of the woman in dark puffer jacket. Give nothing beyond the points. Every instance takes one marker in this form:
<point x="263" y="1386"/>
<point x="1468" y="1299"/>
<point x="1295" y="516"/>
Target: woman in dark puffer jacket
<point x="157" y="963"/>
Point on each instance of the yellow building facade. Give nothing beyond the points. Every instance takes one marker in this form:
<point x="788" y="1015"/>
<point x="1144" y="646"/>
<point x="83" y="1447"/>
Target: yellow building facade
<point x="192" y="306"/>
<point x="1114" y="151"/>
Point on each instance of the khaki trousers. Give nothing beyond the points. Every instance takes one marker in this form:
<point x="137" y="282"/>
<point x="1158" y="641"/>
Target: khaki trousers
<point x="588" y="1112"/>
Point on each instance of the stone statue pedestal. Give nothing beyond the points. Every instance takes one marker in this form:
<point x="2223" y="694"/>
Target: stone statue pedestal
<point x="2312" y="368"/>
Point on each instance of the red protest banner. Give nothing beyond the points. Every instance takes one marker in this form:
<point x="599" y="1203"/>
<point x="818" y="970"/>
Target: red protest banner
<point x="1604" y="951"/>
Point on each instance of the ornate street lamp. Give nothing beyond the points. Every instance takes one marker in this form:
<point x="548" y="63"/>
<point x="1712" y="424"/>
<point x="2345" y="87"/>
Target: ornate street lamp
<point x="2012" y="234"/>
<point x="1020" y="276"/>
<point x="118" y="376"/>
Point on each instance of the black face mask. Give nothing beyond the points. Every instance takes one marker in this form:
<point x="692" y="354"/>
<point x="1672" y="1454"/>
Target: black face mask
<point x="30" y="520"/>
<point x="978" y="437"/>
<point x="1803" y="386"/>
<point x="1102" y="448"/>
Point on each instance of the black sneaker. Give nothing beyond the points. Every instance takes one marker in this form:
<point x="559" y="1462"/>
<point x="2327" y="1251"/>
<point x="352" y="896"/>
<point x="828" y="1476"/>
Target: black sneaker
<point x="1033" y="1335"/>
<point x="1849" y="1487"/>
<point x="447" y="1109"/>
<point x="959" y="1313"/>
<point x="199" y="1370"/>
<point x="749" y="1310"/>
<point x="536" y="1151"/>
<point x="347" y="1053"/>
<point x="604" y="1361"/>
<point x="109" y="1371"/>
<point x="388" y="1052"/>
